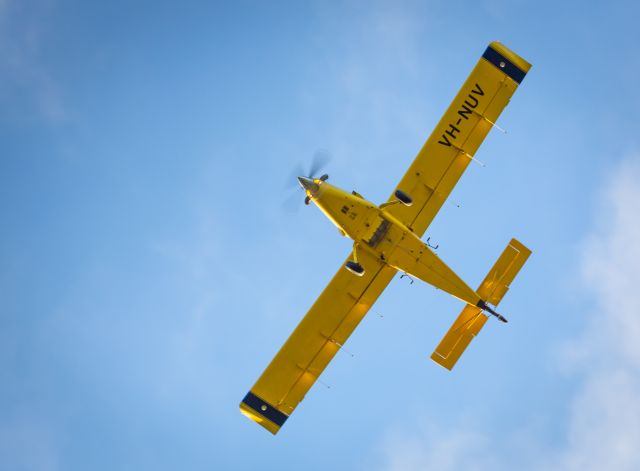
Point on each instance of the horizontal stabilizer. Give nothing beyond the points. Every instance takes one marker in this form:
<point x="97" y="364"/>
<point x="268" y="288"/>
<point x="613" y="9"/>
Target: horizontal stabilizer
<point x="496" y="283"/>
<point x="472" y="319"/>
<point x="459" y="336"/>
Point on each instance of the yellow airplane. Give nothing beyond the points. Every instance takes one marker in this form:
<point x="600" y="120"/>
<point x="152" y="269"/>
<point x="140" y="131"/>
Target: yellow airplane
<point x="387" y="240"/>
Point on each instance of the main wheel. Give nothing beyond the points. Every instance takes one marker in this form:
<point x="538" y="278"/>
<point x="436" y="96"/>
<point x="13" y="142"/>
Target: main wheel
<point x="403" y="198"/>
<point x="354" y="267"/>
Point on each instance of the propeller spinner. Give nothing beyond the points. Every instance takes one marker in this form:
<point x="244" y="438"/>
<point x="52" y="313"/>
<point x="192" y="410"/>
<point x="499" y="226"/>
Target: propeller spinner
<point x="320" y="159"/>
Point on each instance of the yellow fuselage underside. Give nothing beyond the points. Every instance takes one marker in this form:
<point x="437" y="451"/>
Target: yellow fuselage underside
<point x="375" y="230"/>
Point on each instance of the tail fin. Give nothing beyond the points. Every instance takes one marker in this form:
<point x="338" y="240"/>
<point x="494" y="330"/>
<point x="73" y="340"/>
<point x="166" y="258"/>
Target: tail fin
<point x="472" y="319"/>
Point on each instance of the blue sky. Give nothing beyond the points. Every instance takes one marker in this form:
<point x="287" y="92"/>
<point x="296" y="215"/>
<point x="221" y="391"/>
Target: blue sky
<point x="149" y="272"/>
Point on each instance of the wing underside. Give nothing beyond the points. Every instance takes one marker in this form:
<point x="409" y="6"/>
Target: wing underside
<point x="453" y="143"/>
<point x="314" y="342"/>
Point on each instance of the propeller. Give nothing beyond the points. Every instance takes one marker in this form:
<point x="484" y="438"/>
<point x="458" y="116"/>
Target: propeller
<point x="318" y="161"/>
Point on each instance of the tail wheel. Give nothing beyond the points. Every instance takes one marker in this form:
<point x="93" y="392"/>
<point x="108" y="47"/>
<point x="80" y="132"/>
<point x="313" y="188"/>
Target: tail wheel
<point x="354" y="267"/>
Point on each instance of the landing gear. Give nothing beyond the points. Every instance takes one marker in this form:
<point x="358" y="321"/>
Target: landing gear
<point x="403" y="198"/>
<point x="354" y="267"/>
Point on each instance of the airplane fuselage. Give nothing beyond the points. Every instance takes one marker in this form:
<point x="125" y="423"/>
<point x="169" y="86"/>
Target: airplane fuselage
<point x="375" y="230"/>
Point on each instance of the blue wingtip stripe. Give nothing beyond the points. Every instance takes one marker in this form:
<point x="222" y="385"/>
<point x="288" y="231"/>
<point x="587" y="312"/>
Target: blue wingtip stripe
<point x="265" y="409"/>
<point x="504" y="64"/>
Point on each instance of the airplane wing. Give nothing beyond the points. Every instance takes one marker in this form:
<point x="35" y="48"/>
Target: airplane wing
<point x="446" y="154"/>
<point x="312" y="345"/>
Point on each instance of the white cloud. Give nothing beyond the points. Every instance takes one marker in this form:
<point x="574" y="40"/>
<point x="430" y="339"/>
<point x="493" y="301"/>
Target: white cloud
<point x="604" y="428"/>
<point x="362" y="70"/>
<point x="612" y="266"/>
<point x="433" y="450"/>
<point x="603" y="420"/>
<point x="23" y="69"/>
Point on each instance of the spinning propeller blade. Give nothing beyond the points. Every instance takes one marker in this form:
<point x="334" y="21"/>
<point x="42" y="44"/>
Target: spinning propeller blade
<point x="319" y="160"/>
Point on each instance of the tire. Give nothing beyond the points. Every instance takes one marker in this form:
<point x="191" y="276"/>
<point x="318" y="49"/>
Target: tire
<point x="403" y="198"/>
<point x="354" y="268"/>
